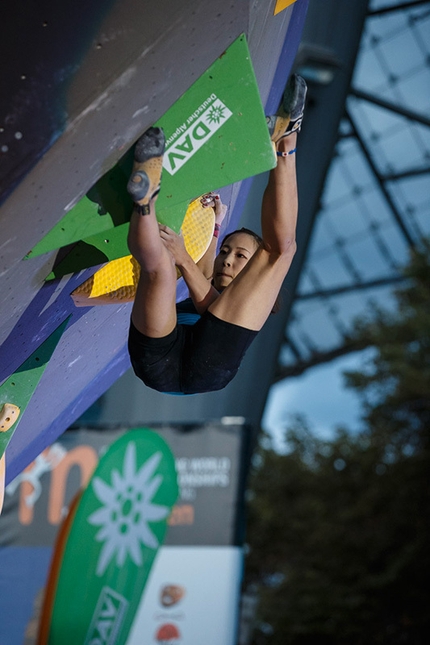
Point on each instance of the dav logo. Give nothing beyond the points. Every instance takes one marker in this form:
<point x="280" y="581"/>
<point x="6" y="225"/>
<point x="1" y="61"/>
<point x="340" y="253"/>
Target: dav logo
<point x="196" y="135"/>
<point x="107" y="619"/>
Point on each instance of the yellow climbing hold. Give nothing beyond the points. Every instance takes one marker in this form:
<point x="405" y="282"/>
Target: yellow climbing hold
<point x="8" y="415"/>
<point x="281" y="5"/>
<point x="117" y="280"/>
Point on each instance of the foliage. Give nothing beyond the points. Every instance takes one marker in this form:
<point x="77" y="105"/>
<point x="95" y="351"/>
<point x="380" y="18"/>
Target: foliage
<point x="339" y="530"/>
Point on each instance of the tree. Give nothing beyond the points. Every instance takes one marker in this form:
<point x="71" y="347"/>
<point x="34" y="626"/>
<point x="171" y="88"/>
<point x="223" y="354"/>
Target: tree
<point x="339" y="530"/>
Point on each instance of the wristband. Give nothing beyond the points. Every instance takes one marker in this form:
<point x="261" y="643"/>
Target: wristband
<point x="285" y="154"/>
<point x="217" y="230"/>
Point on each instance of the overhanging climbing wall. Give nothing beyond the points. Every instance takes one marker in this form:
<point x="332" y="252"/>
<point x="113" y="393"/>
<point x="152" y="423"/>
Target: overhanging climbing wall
<point x="90" y="79"/>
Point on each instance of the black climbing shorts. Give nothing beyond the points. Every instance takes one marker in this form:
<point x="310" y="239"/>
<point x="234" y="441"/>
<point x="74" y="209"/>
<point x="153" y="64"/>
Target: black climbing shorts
<point x="193" y="358"/>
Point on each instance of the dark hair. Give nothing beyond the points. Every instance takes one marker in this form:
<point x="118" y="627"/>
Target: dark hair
<point x="248" y="231"/>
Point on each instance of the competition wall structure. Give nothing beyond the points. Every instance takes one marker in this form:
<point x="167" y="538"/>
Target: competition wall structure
<point x="90" y="79"/>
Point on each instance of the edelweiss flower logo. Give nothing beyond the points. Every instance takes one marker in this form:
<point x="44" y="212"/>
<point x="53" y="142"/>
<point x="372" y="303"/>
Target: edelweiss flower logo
<point x="127" y="509"/>
<point x="216" y="114"/>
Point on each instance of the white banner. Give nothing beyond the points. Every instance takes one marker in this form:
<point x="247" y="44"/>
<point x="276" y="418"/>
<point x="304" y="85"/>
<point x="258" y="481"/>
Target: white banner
<point x="191" y="598"/>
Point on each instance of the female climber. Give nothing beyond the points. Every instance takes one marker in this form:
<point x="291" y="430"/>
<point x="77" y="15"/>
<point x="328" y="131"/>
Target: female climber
<point x="198" y="345"/>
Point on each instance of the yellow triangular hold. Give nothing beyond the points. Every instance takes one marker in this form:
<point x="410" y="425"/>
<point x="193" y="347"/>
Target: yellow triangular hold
<point x="117" y="280"/>
<point x="281" y="5"/>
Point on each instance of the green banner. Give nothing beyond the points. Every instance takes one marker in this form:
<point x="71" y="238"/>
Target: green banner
<point x="118" y="527"/>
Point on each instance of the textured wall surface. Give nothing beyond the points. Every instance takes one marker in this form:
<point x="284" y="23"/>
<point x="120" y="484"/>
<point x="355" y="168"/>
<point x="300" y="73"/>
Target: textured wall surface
<point x="90" y="79"/>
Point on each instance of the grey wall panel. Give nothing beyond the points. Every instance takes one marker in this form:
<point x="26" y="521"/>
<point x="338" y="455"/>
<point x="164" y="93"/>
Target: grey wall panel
<point x="150" y="54"/>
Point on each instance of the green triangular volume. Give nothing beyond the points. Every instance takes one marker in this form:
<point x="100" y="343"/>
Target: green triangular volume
<point x="19" y="388"/>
